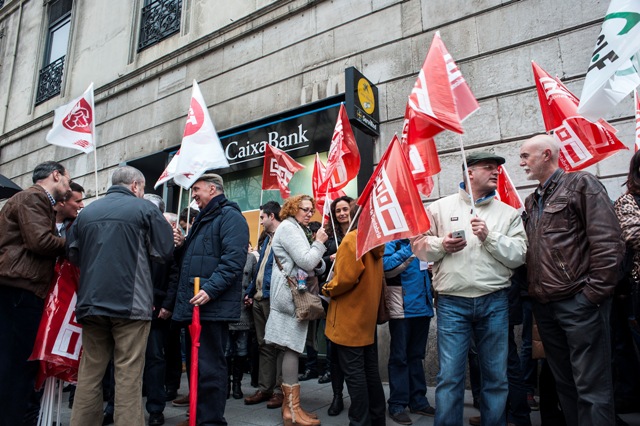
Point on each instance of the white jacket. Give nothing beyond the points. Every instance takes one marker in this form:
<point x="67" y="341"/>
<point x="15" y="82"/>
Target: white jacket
<point x="481" y="267"/>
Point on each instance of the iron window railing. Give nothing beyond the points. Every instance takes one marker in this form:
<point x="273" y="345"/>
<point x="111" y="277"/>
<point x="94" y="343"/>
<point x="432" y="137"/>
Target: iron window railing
<point x="160" y="19"/>
<point x="50" y="80"/>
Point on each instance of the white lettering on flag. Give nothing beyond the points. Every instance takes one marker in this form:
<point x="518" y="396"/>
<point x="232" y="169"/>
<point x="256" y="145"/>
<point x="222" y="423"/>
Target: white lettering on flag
<point x="551" y="88"/>
<point x="455" y="76"/>
<point x="417" y="166"/>
<point x="419" y="99"/>
<point x="69" y="339"/>
<point x="282" y="173"/>
<point x="387" y="209"/>
<point x="573" y="149"/>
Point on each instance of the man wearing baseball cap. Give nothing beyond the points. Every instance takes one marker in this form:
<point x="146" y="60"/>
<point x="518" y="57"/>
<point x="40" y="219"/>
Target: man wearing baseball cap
<point x="475" y="247"/>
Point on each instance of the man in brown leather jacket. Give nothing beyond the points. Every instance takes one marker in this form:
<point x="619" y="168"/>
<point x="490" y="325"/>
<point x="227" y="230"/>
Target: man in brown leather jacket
<point x="574" y="251"/>
<point x="29" y="244"/>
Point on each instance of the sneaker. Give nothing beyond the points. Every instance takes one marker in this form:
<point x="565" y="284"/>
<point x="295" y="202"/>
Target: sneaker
<point x="156" y="419"/>
<point x="183" y="401"/>
<point x="401" y="418"/>
<point x="533" y="404"/>
<point x="426" y="411"/>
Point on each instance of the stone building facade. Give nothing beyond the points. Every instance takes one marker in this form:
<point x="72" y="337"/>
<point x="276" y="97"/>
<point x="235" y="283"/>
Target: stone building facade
<point x="256" y="59"/>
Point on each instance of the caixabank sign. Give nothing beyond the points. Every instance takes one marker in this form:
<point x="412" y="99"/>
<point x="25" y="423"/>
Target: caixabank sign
<point x="299" y="135"/>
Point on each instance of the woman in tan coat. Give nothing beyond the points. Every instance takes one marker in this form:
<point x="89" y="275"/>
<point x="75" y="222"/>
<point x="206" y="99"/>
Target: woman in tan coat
<point x="355" y="293"/>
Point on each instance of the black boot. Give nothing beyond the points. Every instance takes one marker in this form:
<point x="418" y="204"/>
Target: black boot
<point x="336" y="406"/>
<point x="238" y="364"/>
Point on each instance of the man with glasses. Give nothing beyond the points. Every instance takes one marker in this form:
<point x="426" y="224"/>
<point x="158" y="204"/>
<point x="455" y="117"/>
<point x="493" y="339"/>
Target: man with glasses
<point x="29" y="245"/>
<point x="475" y="249"/>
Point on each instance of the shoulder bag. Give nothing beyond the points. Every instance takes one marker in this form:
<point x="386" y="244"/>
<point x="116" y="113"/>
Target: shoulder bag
<point x="308" y="305"/>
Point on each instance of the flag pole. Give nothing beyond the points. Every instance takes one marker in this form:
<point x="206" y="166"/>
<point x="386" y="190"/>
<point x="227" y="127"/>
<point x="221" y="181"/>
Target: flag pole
<point x="180" y="205"/>
<point x="259" y="208"/>
<point x="95" y="139"/>
<point x="466" y="177"/>
<point x="188" y="213"/>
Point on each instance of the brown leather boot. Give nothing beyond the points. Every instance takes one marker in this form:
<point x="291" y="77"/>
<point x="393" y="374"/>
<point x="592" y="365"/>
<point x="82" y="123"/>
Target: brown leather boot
<point x="292" y="413"/>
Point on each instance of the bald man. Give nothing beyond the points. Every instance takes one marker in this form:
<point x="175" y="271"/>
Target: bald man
<point x="574" y="251"/>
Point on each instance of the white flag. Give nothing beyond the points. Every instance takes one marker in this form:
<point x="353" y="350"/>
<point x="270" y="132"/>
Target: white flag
<point x="201" y="149"/>
<point x="74" y="124"/>
<point x="614" y="67"/>
<point x="169" y="172"/>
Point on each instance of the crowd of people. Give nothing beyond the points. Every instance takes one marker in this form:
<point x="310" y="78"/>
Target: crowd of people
<point x="556" y="268"/>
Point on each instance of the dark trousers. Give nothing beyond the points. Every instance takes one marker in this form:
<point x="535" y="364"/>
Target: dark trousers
<point x="212" y="372"/>
<point x="528" y="364"/>
<point x="154" y="369"/>
<point x="20" y="314"/>
<point x="173" y="359"/>
<point x="407" y="383"/>
<point x="337" y="377"/>
<point x="360" y="368"/>
<point x="576" y="338"/>
<point x="517" y="405"/>
<point x="550" y="410"/>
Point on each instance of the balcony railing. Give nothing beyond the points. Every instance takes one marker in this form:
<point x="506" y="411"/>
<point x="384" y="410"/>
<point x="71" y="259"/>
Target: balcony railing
<point x="160" y="19"/>
<point x="50" y="80"/>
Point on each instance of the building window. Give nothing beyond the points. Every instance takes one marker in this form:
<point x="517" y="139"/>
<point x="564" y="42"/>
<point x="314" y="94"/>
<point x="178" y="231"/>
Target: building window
<point x="160" y="19"/>
<point x="50" y="81"/>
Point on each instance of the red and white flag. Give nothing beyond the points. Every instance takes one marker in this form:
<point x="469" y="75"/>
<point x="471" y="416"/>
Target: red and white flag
<point x="637" y="105"/>
<point x="506" y="191"/>
<point x="582" y="142"/>
<point x="343" y="161"/>
<point x="391" y="205"/>
<point x="420" y="150"/>
<point x="59" y="341"/>
<point x="322" y="204"/>
<point x="441" y="97"/>
<point x="278" y="170"/>
<point x="74" y="124"/>
<point x="200" y="150"/>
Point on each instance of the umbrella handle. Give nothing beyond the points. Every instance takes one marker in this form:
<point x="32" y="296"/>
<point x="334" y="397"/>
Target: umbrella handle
<point x="196" y="285"/>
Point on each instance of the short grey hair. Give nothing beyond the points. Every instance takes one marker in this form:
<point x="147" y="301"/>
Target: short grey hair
<point x="172" y="218"/>
<point x="156" y="200"/>
<point x="214" y="179"/>
<point x="126" y="175"/>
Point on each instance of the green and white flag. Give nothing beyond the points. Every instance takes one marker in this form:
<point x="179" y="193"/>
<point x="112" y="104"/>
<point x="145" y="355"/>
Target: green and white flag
<point x="614" y="68"/>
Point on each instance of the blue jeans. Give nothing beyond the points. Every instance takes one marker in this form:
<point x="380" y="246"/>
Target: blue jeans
<point x="407" y="384"/>
<point x="486" y="319"/>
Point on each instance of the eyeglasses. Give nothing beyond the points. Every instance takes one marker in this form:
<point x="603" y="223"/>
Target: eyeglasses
<point x="307" y="210"/>
<point x="490" y="167"/>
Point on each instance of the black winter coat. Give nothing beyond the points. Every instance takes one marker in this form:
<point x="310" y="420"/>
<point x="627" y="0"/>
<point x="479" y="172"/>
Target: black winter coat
<point x="215" y="251"/>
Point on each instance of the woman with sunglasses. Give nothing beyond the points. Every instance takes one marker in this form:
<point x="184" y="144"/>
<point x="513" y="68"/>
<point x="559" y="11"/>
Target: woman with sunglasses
<point x="298" y="254"/>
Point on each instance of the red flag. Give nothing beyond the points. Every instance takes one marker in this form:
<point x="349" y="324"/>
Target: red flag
<point x="506" y="191"/>
<point x="441" y="97"/>
<point x="318" y="177"/>
<point x="343" y="162"/>
<point x="391" y="205"/>
<point x="421" y="152"/>
<point x="59" y="339"/>
<point x="278" y="170"/>
<point x="582" y="142"/>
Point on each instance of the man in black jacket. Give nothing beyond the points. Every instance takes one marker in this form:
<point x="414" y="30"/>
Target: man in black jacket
<point x="114" y="241"/>
<point x="216" y="251"/>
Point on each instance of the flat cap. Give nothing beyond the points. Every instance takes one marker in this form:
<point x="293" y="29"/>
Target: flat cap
<point x="478" y="156"/>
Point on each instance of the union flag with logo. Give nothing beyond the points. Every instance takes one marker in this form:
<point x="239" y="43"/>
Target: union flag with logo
<point x="278" y="170"/>
<point x="440" y="98"/>
<point x="343" y="160"/>
<point x="582" y="142"/>
<point x="74" y="124"/>
<point x="391" y="205"/>
<point x="59" y="341"/>
<point x="200" y="149"/>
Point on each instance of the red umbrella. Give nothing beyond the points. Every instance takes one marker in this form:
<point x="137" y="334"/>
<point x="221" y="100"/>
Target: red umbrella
<point x="194" y="329"/>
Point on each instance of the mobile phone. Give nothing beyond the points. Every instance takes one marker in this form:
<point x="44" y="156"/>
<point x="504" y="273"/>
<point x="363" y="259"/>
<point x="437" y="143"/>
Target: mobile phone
<point x="458" y="234"/>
